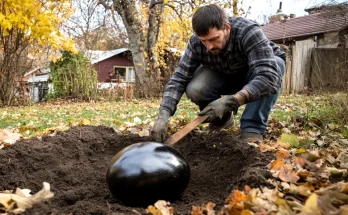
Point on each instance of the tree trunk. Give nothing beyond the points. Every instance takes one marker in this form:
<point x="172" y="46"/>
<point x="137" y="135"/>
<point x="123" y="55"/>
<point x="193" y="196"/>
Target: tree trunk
<point x="144" y="65"/>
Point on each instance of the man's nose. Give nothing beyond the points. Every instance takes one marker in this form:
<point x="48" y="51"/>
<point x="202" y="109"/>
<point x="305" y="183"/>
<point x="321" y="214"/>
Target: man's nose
<point x="209" y="46"/>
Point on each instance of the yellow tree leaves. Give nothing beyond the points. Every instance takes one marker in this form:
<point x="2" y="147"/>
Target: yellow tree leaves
<point x="38" y="21"/>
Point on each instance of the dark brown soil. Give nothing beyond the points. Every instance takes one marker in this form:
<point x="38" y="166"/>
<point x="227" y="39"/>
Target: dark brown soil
<point x="74" y="162"/>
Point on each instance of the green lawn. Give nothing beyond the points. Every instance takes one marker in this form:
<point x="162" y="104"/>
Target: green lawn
<point x="60" y="115"/>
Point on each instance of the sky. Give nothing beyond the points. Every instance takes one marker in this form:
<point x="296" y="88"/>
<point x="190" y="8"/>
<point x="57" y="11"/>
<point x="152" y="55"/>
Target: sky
<point x="270" y="7"/>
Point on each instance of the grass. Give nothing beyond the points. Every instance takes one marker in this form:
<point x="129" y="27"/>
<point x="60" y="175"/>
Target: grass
<point x="31" y="120"/>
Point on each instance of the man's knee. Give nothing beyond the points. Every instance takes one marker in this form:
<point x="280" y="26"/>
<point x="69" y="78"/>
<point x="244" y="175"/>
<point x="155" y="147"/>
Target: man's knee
<point x="196" y="92"/>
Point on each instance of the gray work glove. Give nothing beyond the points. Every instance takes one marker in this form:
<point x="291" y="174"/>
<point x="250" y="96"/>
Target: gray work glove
<point x="160" y="127"/>
<point x="218" y="108"/>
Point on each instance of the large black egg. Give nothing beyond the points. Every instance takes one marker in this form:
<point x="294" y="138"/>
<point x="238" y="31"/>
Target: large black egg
<point x="143" y="173"/>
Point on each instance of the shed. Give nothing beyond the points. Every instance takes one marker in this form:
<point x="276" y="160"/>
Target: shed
<point x="307" y="37"/>
<point x="114" y="66"/>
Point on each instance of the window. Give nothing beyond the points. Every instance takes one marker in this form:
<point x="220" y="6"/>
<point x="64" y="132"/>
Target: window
<point x="123" y="74"/>
<point x="119" y="74"/>
<point x="131" y="75"/>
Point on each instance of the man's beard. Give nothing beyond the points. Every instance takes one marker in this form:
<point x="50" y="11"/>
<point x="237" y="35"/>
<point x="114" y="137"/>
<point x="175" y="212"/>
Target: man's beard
<point x="216" y="51"/>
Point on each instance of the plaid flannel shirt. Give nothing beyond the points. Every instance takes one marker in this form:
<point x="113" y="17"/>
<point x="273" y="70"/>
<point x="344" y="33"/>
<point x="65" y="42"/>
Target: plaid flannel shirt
<point x="248" y="50"/>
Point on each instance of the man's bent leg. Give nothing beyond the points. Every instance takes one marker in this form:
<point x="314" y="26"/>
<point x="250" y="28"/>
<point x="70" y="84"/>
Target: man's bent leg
<point x="204" y="87"/>
<point x="255" y="115"/>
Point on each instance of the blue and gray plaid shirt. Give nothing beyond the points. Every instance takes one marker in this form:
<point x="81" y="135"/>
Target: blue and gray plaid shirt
<point x="248" y="51"/>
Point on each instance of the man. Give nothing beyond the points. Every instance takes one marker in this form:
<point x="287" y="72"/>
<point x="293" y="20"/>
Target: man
<point x="225" y="56"/>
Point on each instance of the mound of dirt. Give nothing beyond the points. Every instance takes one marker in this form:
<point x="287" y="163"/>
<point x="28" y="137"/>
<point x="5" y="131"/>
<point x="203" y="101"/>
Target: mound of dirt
<point x="74" y="162"/>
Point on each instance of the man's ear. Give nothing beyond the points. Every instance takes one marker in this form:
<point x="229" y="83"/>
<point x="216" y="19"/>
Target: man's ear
<point x="228" y="27"/>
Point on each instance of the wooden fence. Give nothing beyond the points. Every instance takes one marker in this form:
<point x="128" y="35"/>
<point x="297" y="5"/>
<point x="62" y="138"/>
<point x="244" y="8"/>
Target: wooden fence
<point x="309" y="68"/>
<point x="329" y="70"/>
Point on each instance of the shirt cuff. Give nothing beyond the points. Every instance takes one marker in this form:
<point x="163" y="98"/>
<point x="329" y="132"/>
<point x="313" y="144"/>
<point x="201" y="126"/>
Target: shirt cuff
<point x="169" y="104"/>
<point x="253" y="91"/>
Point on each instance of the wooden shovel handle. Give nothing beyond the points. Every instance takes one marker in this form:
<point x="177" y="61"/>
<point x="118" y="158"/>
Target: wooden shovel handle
<point x="185" y="130"/>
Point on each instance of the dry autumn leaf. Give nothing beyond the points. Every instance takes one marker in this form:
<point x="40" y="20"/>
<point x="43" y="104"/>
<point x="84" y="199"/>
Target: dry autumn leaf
<point x="282" y="153"/>
<point x="236" y="199"/>
<point x="19" y="202"/>
<point x="276" y="164"/>
<point x="266" y="148"/>
<point x="8" y="136"/>
<point x="287" y="174"/>
<point x="144" y="133"/>
<point x="311" y="206"/>
<point x="161" y="207"/>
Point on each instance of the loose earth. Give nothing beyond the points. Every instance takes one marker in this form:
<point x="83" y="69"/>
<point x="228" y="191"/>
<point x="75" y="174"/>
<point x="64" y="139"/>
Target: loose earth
<point x="74" y="162"/>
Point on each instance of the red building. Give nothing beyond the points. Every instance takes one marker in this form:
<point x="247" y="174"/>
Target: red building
<point x="115" y="66"/>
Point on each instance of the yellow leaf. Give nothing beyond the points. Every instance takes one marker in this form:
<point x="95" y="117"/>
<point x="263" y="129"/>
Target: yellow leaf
<point x="290" y="139"/>
<point x="84" y="122"/>
<point x="301" y="150"/>
<point x="311" y="206"/>
<point x="165" y="1"/>
<point x="151" y="209"/>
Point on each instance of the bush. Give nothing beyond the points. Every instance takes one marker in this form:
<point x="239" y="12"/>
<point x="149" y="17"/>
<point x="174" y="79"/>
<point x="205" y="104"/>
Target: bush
<point x="340" y="102"/>
<point x="73" y="76"/>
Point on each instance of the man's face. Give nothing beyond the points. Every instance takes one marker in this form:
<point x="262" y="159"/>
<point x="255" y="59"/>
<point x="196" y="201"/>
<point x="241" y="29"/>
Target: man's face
<point x="216" y="39"/>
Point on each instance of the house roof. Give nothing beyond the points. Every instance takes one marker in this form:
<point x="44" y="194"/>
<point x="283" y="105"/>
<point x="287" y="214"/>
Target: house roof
<point x="42" y="70"/>
<point x="39" y="78"/>
<point x="309" y="25"/>
<point x="97" y="56"/>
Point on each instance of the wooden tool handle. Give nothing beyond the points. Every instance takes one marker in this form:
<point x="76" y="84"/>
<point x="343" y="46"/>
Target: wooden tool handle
<point x="185" y="130"/>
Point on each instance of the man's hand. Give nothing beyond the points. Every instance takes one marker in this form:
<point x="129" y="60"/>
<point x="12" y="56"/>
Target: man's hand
<point x="217" y="109"/>
<point x="160" y="127"/>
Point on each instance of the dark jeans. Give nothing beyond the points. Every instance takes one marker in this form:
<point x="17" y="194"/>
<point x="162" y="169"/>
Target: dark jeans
<point x="207" y="86"/>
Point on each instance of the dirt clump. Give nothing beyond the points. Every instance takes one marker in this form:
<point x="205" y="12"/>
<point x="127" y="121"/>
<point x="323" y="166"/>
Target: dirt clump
<point x="74" y="162"/>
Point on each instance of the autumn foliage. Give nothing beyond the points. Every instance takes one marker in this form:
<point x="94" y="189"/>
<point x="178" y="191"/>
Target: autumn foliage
<point x="28" y="27"/>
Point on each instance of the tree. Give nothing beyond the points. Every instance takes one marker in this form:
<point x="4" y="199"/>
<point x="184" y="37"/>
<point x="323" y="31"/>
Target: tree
<point x="73" y="76"/>
<point x="25" y="26"/>
<point x="143" y="21"/>
<point x="92" y="27"/>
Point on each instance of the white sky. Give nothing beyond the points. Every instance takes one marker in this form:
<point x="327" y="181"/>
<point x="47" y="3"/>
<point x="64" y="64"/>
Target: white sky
<point x="270" y="7"/>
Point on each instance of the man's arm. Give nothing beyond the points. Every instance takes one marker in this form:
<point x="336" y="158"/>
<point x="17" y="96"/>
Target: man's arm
<point x="183" y="74"/>
<point x="263" y="78"/>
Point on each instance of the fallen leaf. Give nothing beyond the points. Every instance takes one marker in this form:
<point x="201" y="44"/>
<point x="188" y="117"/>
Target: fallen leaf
<point x="266" y="148"/>
<point x="311" y="206"/>
<point x="84" y="122"/>
<point x="247" y="212"/>
<point x="302" y="190"/>
<point x="304" y="174"/>
<point x="300" y="161"/>
<point x="277" y="164"/>
<point x="196" y="210"/>
<point x="301" y="151"/>
<point x="144" y="133"/>
<point x="236" y="198"/>
<point x="282" y="153"/>
<point x="287" y="174"/>
<point x="210" y="208"/>
<point x="137" y="120"/>
<point x="8" y="136"/>
<point x="22" y="200"/>
<point x="344" y="210"/>
<point x="161" y="207"/>
<point x="290" y="139"/>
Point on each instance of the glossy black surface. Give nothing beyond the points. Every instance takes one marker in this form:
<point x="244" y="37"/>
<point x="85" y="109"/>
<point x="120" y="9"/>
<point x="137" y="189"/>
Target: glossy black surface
<point x="143" y="173"/>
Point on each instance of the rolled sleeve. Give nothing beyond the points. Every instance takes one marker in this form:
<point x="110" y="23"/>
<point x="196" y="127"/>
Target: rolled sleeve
<point x="183" y="74"/>
<point x="263" y="78"/>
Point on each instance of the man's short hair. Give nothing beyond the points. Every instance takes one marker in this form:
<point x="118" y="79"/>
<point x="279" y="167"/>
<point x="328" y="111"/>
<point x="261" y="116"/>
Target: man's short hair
<point x="207" y="17"/>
